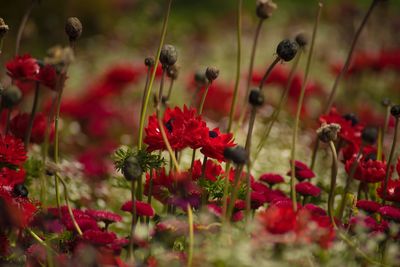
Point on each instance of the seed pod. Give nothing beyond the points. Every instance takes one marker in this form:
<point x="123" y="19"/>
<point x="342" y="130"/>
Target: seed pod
<point x="73" y="28"/>
<point x="212" y="73"/>
<point x="131" y="169"/>
<point x="149" y="62"/>
<point x="395" y="111"/>
<point x="20" y="190"/>
<point x="265" y="8"/>
<point x="287" y="50"/>
<point x="11" y="97"/>
<point x="301" y="40"/>
<point x="256" y="97"/>
<point x="369" y="135"/>
<point x="237" y="155"/>
<point x="168" y="56"/>
<point x="328" y="132"/>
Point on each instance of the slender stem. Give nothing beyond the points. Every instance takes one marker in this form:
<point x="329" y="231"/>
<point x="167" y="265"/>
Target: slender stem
<point x="314" y="154"/>
<point x="191" y="236"/>
<point x="387" y="118"/>
<point x="248" y="191"/>
<point x="192" y="162"/>
<point x="32" y="116"/>
<point x="133" y="224"/>
<point x="153" y="75"/>
<point x="22" y="26"/>
<point x="202" y="181"/>
<point x="238" y="64"/>
<point x="390" y="159"/>
<point x="146" y="88"/>
<point x="71" y="214"/>
<point x="251" y="67"/>
<point x="149" y="196"/>
<point x="235" y="189"/>
<point x="8" y="121"/>
<point x="268" y="72"/>
<point x="203" y="98"/>
<point x="349" y="57"/>
<point x="171" y="86"/>
<point x="277" y="111"/>
<point x="299" y="107"/>
<point x="334" y="172"/>
<point x="40" y="241"/>
<point x="226" y="191"/>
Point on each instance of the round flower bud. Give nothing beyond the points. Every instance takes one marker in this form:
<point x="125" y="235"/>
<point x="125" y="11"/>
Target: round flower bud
<point x="386" y="102"/>
<point x="200" y="78"/>
<point x="301" y="39"/>
<point x="237" y="155"/>
<point x="256" y="97"/>
<point x="352" y="118"/>
<point x="149" y="62"/>
<point x="73" y="28"/>
<point x="286" y="50"/>
<point x="265" y="8"/>
<point x="131" y="169"/>
<point x="3" y="28"/>
<point x="369" y="135"/>
<point x="328" y="132"/>
<point x="20" y="190"/>
<point x="395" y="111"/>
<point x="173" y="72"/>
<point x="212" y="73"/>
<point x="169" y="55"/>
<point x="11" y="97"/>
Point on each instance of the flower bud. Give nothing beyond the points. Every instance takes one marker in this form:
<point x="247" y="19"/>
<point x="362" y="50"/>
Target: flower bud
<point x="173" y="72"/>
<point x="212" y="73"/>
<point x="149" y="62"/>
<point x="265" y="8"/>
<point x="131" y="169"/>
<point x="256" y="97"/>
<point x="73" y="28"/>
<point x="237" y="155"/>
<point x="168" y="55"/>
<point x="301" y="40"/>
<point x="328" y="132"/>
<point x="369" y="135"/>
<point x="286" y="50"/>
<point x="3" y="28"/>
<point x="20" y="190"/>
<point x="395" y="111"/>
<point x="11" y="97"/>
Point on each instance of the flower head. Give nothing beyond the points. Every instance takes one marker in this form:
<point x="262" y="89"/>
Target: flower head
<point x="23" y="68"/>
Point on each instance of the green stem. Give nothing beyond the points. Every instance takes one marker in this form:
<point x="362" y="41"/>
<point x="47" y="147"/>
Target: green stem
<point x="238" y="64"/>
<point x="299" y="106"/>
<point x="8" y="121"/>
<point x="32" y="116"/>
<point x="22" y="26"/>
<point x="203" y="180"/>
<point x="203" y="98"/>
<point x="235" y="190"/>
<point x="40" y="241"/>
<point x="133" y="224"/>
<point x="334" y="172"/>
<point x="171" y="86"/>
<point x="268" y="72"/>
<point x="149" y="196"/>
<point x="191" y="236"/>
<point x="314" y="154"/>
<point x="153" y="75"/>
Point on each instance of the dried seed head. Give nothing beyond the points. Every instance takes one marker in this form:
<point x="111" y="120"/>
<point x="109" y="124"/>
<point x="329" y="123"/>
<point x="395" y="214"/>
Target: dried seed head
<point x="3" y="28"/>
<point x="237" y="155"/>
<point x="328" y="132"/>
<point x="256" y="97"/>
<point x="395" y="111"/>
<point x="149" y="62"/>
<point x="212" y="73"/>
<point x="131" y="169"/>
<point x="173" y="72"/>
<point x="200" y="78"/>
<point x="287" y="50"/>
<point x="11" y="97"/>
<point x="73" y="28"/>
<point x="301" y="39"/>
<point x="168" y="55"/>
<point x="265" y="8"/>
<point x="369" y="135"/>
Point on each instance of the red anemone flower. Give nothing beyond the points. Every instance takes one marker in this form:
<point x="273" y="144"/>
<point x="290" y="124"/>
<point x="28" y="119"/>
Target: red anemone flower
<point x="216" y="143"/>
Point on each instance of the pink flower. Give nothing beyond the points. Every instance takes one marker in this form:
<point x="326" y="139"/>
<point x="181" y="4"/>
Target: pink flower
<point x="142" y="208"/>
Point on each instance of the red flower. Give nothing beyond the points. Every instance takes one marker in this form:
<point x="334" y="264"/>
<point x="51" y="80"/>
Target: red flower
<point x="212" y="171"/>
<point x="217" y="211"/>
<point x="368" y="206"/>
<point x="392" y="192"/>
<point x="105" y="216"/>
<point x="19" y="126"/>
<point x="308" y="189"/>
<point x="271" y="178"/>
<point x="4" y="245"/>
<point x="367" y="170"/>
<point x="12" y="151"/>
<point x="278" y="219"/>
<point x="390" y="213"/>
<point x="302" y="172"/>
<point x="216" y="143"/>
<point x="99" y="238"/>
<point x="398" y="166"/>
<point x="9" y="177"/>
<point x="22" y="68"/>
<point x="48" y="76"/>
<point x="142" y="208"/>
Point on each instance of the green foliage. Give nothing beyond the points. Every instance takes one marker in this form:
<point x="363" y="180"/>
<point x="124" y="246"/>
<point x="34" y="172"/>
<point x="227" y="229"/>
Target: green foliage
<point x="33" y="168"/>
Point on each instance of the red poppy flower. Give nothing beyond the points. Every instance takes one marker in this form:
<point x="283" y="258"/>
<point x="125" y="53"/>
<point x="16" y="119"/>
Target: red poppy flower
<point x="390" y="213"/>
<point x="216" y="143"/>
<point x="142" y="208"/>
<point x="308" y="189"/>
<point x="48" y="76"/>
<point x="22" y="68"/>
<point x="99" y="238"/>
<point x="12" y="151"/>
<point x="392" y="192"/>
<point x="271" y="178"/>
<point x="368" y="206"/>
<point x="20" y="123"/>
<point x="302" y="172"/>
<point x="212" y="171"/>
<point x="105" y="216"/>
<point x="278" y="219"/>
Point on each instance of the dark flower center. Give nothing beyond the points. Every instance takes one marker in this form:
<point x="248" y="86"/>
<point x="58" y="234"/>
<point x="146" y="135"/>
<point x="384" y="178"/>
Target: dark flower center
<point x="168" y="125"/>
<point x="212" y="134"/>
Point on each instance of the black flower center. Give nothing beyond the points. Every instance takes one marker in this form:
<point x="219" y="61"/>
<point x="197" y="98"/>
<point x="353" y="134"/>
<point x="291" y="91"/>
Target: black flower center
<point x="212" y="134"/>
